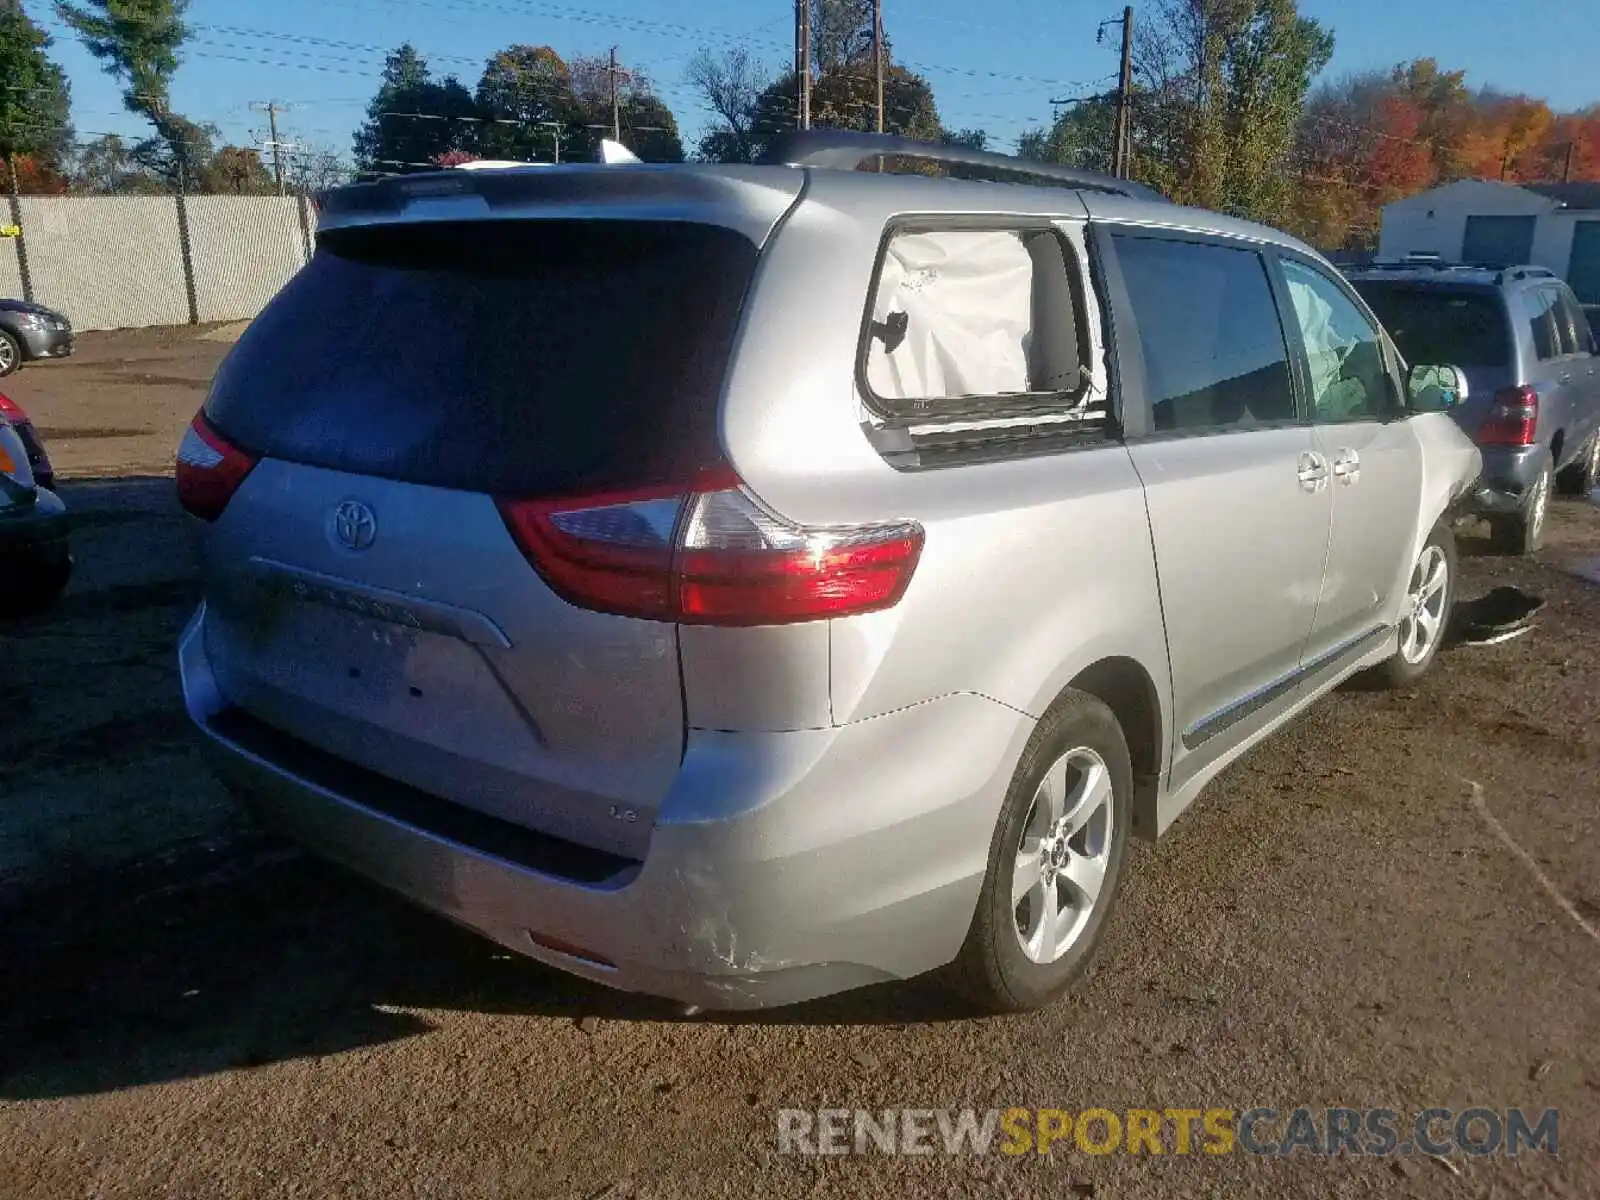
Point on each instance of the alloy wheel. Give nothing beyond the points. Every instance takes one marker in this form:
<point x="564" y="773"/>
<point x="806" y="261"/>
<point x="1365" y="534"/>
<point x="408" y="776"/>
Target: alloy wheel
<point x="1422" y="618"/>
<point x="1063" y="855"/>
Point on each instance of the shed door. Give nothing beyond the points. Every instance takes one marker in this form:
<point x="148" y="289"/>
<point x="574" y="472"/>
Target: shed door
<point x="1498" y="241"/>
<point x="1583" y="269"/>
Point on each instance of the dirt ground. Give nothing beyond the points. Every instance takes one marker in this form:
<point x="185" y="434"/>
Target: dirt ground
<point x="1396" y="903"/>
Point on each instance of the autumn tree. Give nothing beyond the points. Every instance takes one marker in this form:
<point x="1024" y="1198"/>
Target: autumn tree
<point x="646" y="125"/>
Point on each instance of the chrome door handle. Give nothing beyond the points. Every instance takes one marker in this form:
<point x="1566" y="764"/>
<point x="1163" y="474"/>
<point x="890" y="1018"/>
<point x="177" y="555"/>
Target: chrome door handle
<point x="1347" y="466"/>
<point x="1312" y="471"/>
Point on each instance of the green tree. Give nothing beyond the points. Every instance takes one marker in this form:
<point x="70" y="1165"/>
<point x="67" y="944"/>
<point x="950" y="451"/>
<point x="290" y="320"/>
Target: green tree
<point x="238" y="171"/>
<point x="1219" y="86"/>
<point x="525" y="98"/>
<point x="1080" y="136"/>
<point x="35" y="103"/>
<point x="413" y="118"/>
<point x="108" y="166"/>
<point x="137" y="42"/>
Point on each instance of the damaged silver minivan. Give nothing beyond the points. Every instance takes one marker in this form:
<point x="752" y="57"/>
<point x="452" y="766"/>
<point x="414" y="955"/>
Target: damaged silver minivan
<point x="743" y="583"/>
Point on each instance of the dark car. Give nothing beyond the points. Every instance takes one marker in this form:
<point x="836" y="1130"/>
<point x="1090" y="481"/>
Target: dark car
<point x="35" y="546"/>
<point x="29" y="332"/>
<point x="1532" y="365"/>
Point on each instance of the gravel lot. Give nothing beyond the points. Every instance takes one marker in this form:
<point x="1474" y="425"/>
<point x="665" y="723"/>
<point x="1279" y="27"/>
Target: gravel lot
<point x="188" y="1008"/>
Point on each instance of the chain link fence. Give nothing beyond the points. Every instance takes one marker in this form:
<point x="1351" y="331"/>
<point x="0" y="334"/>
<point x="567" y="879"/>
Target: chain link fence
<point x="117" y="262"/>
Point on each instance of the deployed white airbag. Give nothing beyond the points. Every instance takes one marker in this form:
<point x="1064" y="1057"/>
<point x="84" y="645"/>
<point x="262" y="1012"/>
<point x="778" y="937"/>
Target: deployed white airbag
<point x="967" y="300"/>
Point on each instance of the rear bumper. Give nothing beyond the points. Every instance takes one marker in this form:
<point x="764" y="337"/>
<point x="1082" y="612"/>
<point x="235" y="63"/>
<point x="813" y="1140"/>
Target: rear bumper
<point x="1508" y="473"/>
<point x="782" y="866"/>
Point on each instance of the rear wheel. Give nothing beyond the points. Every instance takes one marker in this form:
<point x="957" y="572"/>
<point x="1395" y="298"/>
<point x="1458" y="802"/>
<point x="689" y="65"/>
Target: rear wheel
<point x="1523" y="532"/>
<point x="1579" y="478"/>
<point x="10" y="354"/>
<point x="1425" y="612"/>
<point x="1055" y="861"/>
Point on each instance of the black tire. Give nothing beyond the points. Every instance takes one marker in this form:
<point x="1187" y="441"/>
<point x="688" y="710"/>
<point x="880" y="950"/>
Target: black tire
<point x="10" y="354"/>
<point x="31" y="588"/>
<point x="992" y="970"/>
<point x="1397" y="670"/>
<point x="1581" y="476"/>
<point x="1523" y="532"/>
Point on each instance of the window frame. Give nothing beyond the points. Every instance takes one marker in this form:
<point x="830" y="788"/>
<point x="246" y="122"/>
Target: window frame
<point x="1571" y="312"/>
<point x="933" y="411"/>
<point x="1126" y="348"/>
<point x="1393" y="361"/>
<point x="1528" y="315"/>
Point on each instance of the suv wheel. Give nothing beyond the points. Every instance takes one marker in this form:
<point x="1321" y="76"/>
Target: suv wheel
<point x="1425" y="612"/>
<point x="1054" y="863"/>
<point x="1580" y="477"/>
<point x="1523" y="532"/>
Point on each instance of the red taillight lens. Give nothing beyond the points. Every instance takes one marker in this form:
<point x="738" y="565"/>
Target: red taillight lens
<point x="11" y="410"/>
<point x="209" y="469"/>
<point x="710" y="556"/>
<point x="1511" y="419"/>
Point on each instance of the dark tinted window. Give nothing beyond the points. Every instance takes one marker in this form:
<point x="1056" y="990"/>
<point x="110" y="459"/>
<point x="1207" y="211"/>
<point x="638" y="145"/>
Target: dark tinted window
<point x="501" y="356"/>
<point x="1214" y="352"/>
<point x="1442" y="327"/>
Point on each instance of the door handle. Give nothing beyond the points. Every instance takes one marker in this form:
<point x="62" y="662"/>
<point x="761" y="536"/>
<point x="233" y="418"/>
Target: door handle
<point x="1312" y="471"/>
<point x="1347" y="466"/>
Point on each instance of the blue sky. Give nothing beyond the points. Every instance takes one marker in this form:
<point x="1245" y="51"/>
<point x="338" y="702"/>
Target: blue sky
<point x="995" y="65"/>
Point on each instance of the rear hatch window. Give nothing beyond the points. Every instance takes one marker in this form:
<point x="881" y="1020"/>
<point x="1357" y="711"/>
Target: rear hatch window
<point x="531" y="357"/>
<point x="1456" y="327"/>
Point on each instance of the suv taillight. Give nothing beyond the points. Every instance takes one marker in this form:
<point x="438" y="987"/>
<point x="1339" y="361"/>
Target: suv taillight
<point x="209" y="469"/>
<point x="1511" y="418"/>
<point x="710" y="555"/>
<point x="11" y="412"/>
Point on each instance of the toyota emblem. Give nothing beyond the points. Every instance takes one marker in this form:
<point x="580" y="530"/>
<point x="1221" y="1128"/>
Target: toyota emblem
<point x="355" y="525"/>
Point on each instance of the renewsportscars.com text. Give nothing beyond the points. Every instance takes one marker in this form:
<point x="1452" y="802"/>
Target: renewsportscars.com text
<point x="1176" y="1131"/>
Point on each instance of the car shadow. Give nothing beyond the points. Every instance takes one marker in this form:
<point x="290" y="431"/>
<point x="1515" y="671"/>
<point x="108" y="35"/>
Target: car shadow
<point x="272" y="956"/>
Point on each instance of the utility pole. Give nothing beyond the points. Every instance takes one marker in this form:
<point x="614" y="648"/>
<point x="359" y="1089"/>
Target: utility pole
<point x="1123" y="150"/>
<point x="272" y="108"/>
<point x="877" y="58"/>
<point x="616" y="110"/>
<point x="802" y="63"/>
<point x="1566" y="171"/>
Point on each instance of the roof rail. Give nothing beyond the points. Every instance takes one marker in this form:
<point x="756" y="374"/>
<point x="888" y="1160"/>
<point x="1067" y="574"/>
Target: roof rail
<point x="848" y="150"/>
<point x="1513" y="273"/>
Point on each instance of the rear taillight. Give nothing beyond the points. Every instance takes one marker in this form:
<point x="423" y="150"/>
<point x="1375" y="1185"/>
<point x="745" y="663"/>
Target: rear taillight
<point x="11" y="412"/>
<point x="710" y="555"/>
<point x="209" y="469"/>
<point x="1511" y="418"/>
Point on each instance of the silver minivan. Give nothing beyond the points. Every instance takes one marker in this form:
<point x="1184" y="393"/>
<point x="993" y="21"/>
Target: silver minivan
<point x="740" y="584"/>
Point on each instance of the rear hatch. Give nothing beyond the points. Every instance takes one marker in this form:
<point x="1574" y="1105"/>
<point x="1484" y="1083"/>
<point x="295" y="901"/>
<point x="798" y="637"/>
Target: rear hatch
<point x="1450" y="325"/>
<point x="364" y="592"/>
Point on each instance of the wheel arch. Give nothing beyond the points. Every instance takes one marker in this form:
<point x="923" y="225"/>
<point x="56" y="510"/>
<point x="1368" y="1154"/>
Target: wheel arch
<point x="1124" y="686"/>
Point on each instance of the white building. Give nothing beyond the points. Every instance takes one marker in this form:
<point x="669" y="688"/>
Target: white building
<point x="1554" y="225"/>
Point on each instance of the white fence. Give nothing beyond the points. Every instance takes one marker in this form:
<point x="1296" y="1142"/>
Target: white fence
<point x="116" y="262"/>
